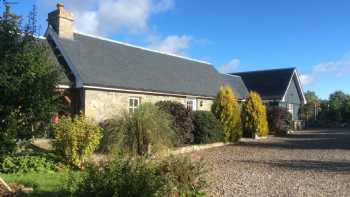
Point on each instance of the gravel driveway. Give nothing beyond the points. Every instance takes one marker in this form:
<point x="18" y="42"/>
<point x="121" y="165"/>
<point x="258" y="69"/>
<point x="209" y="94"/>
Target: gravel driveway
<point x="306" y="163"/>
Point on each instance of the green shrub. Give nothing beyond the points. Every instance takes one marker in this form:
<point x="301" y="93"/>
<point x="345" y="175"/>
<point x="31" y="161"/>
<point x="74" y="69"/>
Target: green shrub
<point x="182" y="121"/>
<point x="183" y="177"/>
<point x="27" y="163"/>
<point x="121" y="177"/>
<point x="207" y="129"/>
<point x="8" y="134"/>
<point x="254" y="117"/>
<point x="227" y="110"/>
<point x="113" y="136"/>
<point x="76" y="139"/>
<point x="146" y="131"/>
<point x="279" y="120"/>
<point x="140" y="177"/>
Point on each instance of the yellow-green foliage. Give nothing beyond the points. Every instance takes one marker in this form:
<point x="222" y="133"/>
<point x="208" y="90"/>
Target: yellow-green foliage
<point x="227" y="111"/>
<point x="76" y="139"/>
<point x="254" y="117"/>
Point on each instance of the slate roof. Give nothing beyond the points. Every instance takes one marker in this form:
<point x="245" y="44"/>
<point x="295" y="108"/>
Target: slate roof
<point x="270" y="84"/>
<point x="106" y="63"/>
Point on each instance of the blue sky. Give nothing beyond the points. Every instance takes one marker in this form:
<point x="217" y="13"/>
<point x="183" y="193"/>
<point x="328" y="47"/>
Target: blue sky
<point x="233" y="35"/>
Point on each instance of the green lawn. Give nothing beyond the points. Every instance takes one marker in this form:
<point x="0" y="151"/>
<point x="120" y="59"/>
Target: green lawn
<point x="44" y="183"/>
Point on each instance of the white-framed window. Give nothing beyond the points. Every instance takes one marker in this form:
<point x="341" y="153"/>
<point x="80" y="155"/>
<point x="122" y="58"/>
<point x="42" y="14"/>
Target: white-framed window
<point x="291" y="109"/>
<point x="191" y="104"/>
<point x="134" y="103"/>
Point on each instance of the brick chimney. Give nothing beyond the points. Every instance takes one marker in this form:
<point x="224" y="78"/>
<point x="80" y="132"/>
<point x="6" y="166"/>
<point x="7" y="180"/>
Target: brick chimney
<point x="62" y="21"/>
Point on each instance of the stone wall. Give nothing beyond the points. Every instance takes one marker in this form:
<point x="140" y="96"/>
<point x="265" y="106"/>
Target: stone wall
<point x="101" y="105"/>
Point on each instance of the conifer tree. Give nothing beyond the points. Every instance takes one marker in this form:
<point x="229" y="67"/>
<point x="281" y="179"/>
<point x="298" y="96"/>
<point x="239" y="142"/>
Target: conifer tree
<point x="28" y="79"/>
<point x="227" y="111"/>
<point x="254" y="118"/>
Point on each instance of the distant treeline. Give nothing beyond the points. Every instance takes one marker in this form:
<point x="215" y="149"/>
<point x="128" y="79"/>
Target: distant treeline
<point x="333" y="112"/>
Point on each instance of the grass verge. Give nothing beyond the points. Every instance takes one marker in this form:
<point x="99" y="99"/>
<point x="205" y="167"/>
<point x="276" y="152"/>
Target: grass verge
<point x="43" y="183"/>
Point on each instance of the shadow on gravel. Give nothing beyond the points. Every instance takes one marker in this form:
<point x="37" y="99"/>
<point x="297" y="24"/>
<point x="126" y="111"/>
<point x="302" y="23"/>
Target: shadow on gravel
<point x="313" y="139"/>
<point x="323" y="166"/>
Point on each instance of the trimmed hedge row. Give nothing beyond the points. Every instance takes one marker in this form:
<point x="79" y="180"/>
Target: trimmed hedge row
<point x="198" y="127"/>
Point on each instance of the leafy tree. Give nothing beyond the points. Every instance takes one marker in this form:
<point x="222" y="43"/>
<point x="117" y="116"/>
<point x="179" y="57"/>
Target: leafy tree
<point x="27" y="82"/>
<point x="311" y="96"/>
<point x="254" y="117"/>
<point x="346" y="111"/>
<point x="337" y="103"/>
<point x="227" y="111"/>
<point x="310" y="110"/>
<point x="326" y="113"/>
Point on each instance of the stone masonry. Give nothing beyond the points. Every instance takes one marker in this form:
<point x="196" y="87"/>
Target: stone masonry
<point x="102" y="105"/>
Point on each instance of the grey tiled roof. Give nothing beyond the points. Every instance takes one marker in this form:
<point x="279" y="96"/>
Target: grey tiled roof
<point x="270" y="84"/>
<point x="110" y="64"/>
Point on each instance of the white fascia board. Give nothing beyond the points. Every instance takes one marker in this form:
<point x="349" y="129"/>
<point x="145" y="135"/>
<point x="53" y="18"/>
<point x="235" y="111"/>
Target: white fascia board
<point x="300" y="87"/>
<point x="53" y="35"/>
<point x="145" y="92"/>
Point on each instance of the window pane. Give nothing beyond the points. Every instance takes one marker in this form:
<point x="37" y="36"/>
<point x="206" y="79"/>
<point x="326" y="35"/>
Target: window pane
<point x="130" y="102"/>
<point x="189" y="105"/>
<point x="136" y="102"/>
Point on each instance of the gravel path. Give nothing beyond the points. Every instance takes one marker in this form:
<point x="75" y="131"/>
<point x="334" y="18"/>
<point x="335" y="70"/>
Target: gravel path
<point x="306" y="163"/>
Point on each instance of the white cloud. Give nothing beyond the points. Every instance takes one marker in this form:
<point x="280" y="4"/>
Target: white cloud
<point x="111" y="16"/>
<point x="329" y="69"/>
<point x="325" y="67"/>
<point x="130" y="14"/>
<point x="230" y="67"/>
<point x="171" y="44"/>
<point x="306" y="79"/>
<point x="87" y="22"/>
<point x="130" y="17"/>
<point x="338" y="66"/>
<point x="163" y="5"/>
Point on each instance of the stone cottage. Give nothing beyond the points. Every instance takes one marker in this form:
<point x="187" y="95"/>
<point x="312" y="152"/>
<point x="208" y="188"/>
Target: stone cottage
<point x="103" y="77"/>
